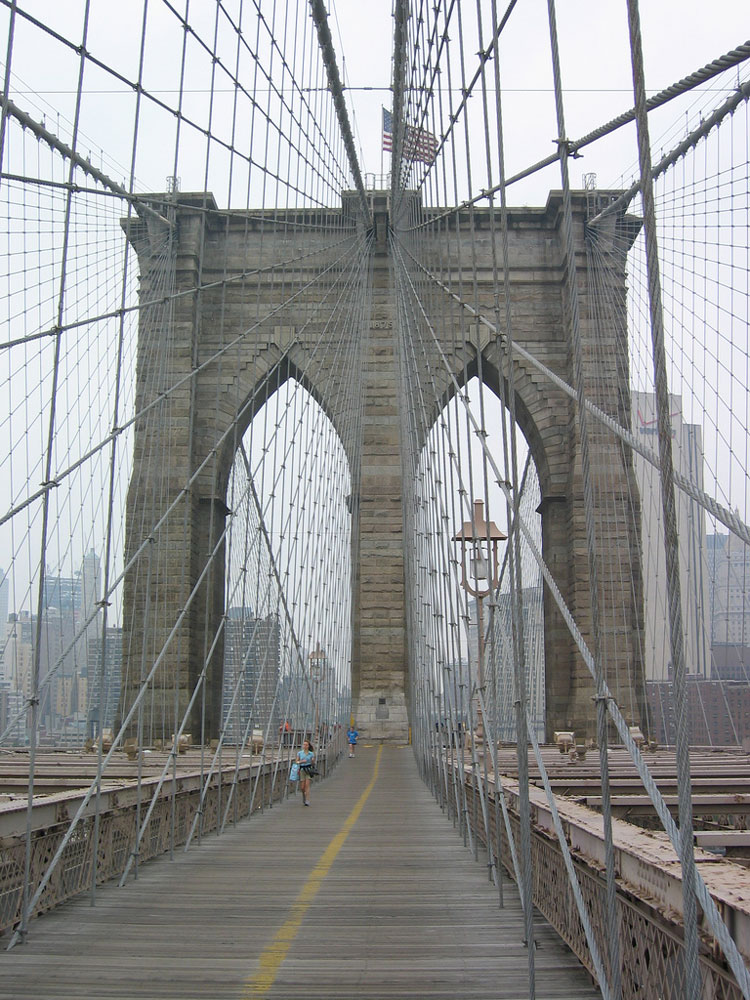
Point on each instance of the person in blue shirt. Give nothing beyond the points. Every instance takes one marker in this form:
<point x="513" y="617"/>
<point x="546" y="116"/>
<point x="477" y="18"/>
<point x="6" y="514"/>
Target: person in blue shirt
<point x="351" y="735"/>
<point x="306" y="760"/>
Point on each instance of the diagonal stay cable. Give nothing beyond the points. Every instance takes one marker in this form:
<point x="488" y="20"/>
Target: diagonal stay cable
<point x="580" y="904"/>
<point x="162" y="396"/>
<point x="168" y="763"/>
<point x="147" y="541"/>
<point x="201" y="679"/>
<point x="320" y="17"/>
<point x="120" y="735"/>
<point x="287" y="614"/>
<point x="485" y="55"/>
<point x="500" y="793"/>
<point x="730" y="520"/>
<point x="713" y="917"/>
<point x="178" y="113"/>
<point x="162" y="300"/>
<point x="36" y="128"/>
<point x="688" y="83"/>
<point x="740" y="95"/>
<point x="583" y="913"/>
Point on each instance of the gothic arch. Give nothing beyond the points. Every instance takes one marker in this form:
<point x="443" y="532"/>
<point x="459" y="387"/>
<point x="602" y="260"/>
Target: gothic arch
<point x="209" y="245"/>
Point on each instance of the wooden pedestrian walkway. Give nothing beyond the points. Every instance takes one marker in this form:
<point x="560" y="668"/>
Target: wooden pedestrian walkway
<point x="369" y="893"/>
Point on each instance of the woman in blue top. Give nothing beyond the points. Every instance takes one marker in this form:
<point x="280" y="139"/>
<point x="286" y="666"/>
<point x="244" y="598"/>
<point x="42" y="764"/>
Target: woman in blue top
<point x="352" y="735"/>
<point x="305" y="759"/>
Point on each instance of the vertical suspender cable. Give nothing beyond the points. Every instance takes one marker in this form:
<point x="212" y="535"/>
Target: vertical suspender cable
<point x="400" y="16"/>
<point x="690" y="915"/>
<point x="6" y="81"/>
<point x="108" y="567"/>
<point x="35" y="690"/>
<point x="613" y="988"/>
<point x="320" y="16"/>
<point x="183" y="585"/>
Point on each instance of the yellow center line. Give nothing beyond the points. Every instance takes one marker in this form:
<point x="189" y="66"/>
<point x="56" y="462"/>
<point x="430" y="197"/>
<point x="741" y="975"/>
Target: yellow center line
<point x="272" y="956"/>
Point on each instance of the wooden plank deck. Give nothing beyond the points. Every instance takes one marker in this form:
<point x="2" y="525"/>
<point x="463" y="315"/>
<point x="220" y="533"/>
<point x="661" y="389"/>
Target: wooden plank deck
<point x="383" y="905"/>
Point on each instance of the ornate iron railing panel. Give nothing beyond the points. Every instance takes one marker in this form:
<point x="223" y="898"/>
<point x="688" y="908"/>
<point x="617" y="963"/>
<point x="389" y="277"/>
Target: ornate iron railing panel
<point x="256" y="785"/>
<point x="650" y="942"/>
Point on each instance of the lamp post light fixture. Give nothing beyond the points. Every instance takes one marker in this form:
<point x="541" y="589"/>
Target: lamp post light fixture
<point x="317" y="672"/>
<point x="480" y="569"/>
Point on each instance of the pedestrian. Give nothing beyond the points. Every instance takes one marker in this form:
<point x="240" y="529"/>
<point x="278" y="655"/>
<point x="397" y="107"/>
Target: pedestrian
<point x="306" y="761"/>
<point x="351" y="735"/>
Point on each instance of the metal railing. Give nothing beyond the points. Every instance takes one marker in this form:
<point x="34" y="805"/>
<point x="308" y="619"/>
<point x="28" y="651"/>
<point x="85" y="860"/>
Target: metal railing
<point x="650" y="930"/>
<point x="254" y="787"/>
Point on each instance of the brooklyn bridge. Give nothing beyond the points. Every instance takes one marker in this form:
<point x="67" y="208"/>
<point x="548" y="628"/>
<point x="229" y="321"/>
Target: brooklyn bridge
<point x="374" y="382"/>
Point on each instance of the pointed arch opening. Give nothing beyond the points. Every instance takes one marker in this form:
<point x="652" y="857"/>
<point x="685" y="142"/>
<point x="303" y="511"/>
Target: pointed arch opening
<point x="476" y="608"/>
<point x="287" y="648"/>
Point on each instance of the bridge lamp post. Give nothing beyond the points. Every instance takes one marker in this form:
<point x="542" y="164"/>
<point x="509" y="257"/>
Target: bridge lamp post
<point x="480" y="571"/>
<point x="317" y="672"/>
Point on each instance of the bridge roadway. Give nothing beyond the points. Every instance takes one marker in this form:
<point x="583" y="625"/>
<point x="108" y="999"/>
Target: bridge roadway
<point x="369" y="893"/>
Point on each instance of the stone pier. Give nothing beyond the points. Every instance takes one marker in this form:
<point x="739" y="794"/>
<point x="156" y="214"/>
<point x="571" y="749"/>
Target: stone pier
<point x="206" y="245"/>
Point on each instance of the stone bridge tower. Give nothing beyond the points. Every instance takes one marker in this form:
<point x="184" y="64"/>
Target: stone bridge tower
<point x="206" y="247"/>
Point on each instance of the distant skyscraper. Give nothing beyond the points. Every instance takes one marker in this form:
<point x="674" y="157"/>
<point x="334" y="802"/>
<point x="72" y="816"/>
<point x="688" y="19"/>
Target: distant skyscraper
<point x="729" y="570"/>
<point x="4" y="595"/>
<point x="88" y="593"/>
<point x="87" y="597"/>
<point x="4" y="591"/>
<point x="687" y="451"/>
<point x="18" y="652"/>
<point x="532" y="612"/>
<point x="67" y="603"/>
<point x="60" y="656"/>
<point x="251" y="669"/>
<point x="102" y="706"/>
<point x="60" y="592"/>
<point x="13" y="716"/>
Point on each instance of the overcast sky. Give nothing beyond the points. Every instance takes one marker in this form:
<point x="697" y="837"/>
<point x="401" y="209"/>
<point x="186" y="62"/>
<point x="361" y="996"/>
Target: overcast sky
<point x="679" y="36"/>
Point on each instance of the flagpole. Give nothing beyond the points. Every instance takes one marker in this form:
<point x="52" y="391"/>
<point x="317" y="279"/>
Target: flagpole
<point x="382" y="109"/>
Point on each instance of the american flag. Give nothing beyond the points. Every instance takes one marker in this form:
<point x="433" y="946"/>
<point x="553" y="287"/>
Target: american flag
<point x="418" y="143"/>
<point x="387" y="130"/>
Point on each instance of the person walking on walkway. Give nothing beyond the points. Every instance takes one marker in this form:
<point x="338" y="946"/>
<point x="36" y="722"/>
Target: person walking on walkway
<point x="351" y="735"/>
<point x="306" y="760"/>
